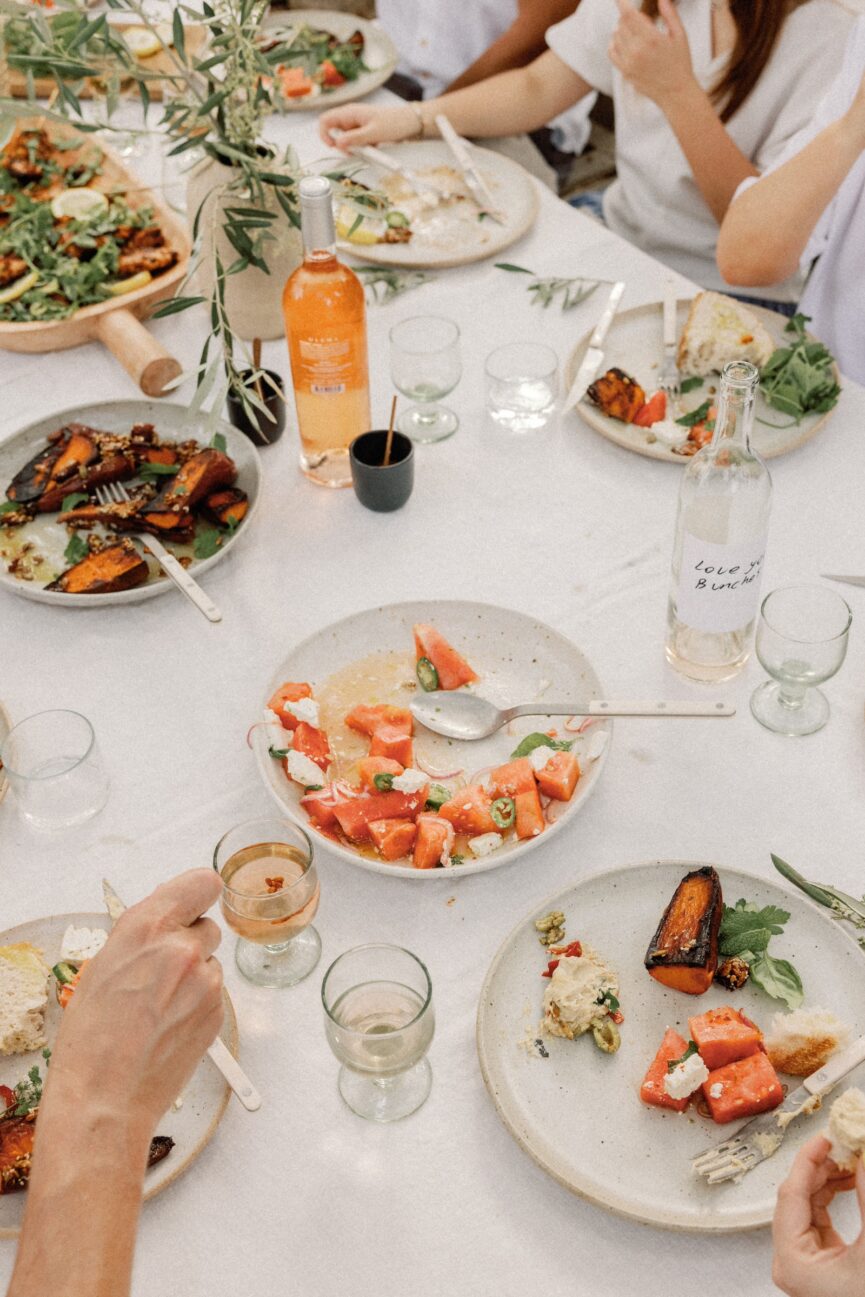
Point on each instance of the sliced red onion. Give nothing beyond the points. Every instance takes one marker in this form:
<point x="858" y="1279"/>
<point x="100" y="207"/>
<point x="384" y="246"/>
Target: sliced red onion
<point x="584" y="723"/>
<point x="427" y="769"/>
<point x="545" y="801"/>
<point x="481" y="776"/>
<point x="555" y="811"/>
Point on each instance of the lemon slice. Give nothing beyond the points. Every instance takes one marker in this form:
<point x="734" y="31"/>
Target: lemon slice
<point x="120" y="286"/>
<point x="363" y="234"/>
<point x="142" y="42"/>
<point x="80" y="204"/>
<point x="19" y="288"/>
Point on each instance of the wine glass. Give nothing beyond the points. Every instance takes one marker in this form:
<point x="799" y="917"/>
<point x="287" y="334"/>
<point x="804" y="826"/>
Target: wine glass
<point x="801" y="641"/>
<point x="425" y="365"/>
<point x="269" y="898"/>
<point x="55" y="769"/>
<point x="378" y="1017"/>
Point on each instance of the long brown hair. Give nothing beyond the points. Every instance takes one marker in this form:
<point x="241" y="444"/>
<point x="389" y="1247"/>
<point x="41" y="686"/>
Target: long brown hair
<point x="758" y="26"/>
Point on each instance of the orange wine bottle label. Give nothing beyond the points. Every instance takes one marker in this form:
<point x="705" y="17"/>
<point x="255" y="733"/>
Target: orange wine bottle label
<point x="327" y="365"/>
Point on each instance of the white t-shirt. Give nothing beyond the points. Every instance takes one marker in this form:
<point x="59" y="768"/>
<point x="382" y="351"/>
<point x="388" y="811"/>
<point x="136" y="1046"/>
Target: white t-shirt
<point x="655" y="202"/>
<point x="833" y="296"/>
<point x="438" y="39"/>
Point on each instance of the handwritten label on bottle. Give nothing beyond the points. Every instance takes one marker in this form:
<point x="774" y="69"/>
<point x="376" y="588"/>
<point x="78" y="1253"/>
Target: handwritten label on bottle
<point x="719" y="585"/>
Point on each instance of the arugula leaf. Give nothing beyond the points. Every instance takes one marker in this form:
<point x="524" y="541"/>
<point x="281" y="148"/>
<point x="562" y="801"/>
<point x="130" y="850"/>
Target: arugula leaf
<point x="696" y="416"/>
<point x="532" y="741"/>
<point x="218" y="442"/>
<point x="673" y="1063"/>
<point x="149" y="470"/>
<point x="71" y="501"/>
<point x="778" y="978"/>
<point x="77" y="549"/>
<point x="798" y="379"/>
<point x="691" y="384"/>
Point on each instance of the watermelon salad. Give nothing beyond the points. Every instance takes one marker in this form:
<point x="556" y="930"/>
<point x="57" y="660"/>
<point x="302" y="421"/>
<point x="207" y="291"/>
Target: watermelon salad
<point x="367" y="785"/>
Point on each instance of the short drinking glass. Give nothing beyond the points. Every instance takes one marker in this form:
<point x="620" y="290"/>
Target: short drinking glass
<point x="269" y="897"/>
<point x="522" y="385"/>
<point x="55" y="770"/>
<point x="378" y="1017"/>
<point x="801" y="641"/>
<point x="425" y="365"/>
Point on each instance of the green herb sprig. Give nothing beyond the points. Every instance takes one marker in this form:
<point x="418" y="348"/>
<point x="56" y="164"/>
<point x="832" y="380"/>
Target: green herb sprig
<point x="798" y="379"/>
<point x="569" y="292"/>
<point x="536" y="740"/>
<point x="383" y="284"/>
<point x="746" y="932"/>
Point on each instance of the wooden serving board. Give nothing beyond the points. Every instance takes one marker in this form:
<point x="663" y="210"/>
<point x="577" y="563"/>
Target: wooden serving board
<point x="195" y="37"/>
<point x="115" y="323"/>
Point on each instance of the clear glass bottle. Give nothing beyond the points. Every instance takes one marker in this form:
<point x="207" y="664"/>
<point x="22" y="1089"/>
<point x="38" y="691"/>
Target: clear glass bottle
<point x="725" y="499"/>
<point x="325" y="325"/>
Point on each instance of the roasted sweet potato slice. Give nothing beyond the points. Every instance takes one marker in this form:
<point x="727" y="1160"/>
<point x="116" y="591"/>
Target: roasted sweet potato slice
<point x="117" y="567"/>
<point x="179" y="527"/>
<point x="156" y="455"/>
<point x="617" y="394"/>
<point x="199" y="476"/>
<point x="114" y="468"/>
<point x="226" y="507"/>
<point x="683" y="954"/>
<point x="30" y="481"/>
<point x="79" y="450"/>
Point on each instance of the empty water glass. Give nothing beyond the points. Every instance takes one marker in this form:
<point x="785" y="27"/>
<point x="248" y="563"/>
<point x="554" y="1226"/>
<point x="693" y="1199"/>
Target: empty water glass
<point x="425" y="366"/>
<point x="801" y="641"/>
<point x="522" y="385"/>
<point x="55" y="769"/>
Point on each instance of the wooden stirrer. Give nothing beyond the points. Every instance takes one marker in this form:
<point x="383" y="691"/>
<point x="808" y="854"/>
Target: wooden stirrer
<point x="389" y="441"/>
<point x="256" y="365"/>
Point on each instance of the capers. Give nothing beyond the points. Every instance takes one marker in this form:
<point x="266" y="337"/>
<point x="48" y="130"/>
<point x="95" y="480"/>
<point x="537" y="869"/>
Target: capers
<point x="606" y="1035"/>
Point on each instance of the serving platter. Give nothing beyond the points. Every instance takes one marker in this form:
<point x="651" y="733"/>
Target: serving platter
<point x="380" y="54"/>
<point x="577" y="1113"/>
<point x="453" y="234"/>
<point x="172" y="422"/>
<point x="204" y="1100"/>
<point x="517" y="658"/>
<point x="635" y="344"/>
<point x="117" y="322"/>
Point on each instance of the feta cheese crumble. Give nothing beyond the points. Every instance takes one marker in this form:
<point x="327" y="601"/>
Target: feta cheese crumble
<point x="410" y="781"/>
<point x="79" y="944"/>
<point x="670" y="433"/>
<point x="686" y="1077"/>
<point x="539" y="757"/>
<point x="303" y="770"/>
<point x="716" y="1090"/>
<point x="485" y="843"/>
<point x="304" y="709"/>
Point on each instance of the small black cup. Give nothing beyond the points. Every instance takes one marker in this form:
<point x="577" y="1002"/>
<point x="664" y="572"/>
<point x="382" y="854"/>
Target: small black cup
<point x="256" y="425"/>
<point x="376" y="486"/>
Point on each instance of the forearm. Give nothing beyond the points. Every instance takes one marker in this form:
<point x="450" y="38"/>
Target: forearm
<point x="512" y="102"/>
<point x="767" y="229"/>
<point x="523" y="41"/>
<point x="83" y="1201"/>
<point x="717" y="164"/>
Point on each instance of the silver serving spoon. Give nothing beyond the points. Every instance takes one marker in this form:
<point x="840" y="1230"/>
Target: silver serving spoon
<point x="460" y="715"/>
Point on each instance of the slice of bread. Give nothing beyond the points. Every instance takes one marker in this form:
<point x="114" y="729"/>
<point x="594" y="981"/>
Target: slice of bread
<point x="800" y="1042"/>
<point x="847" y="1129"/>
<point x="717" y="330"/>
<point x="23" y="998"/>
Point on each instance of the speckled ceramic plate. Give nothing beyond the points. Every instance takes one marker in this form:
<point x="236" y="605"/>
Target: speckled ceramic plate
<point x="635" y="344"/>
<point x="577" y="1113"/>
<point x="453" y="234"/>
<point x="191" y="1126"/>
<point x="379" y="54"/>
<point x="174" y="423"/>
<point x="517" y="659"/>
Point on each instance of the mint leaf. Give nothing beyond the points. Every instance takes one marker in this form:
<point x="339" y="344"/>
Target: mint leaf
<point x="607" y="998"/>
<point x="76" y="550"/>
<point x="744" y="927"/>
<point x="72" y="501"/>
<point x="673" y="1063"/>
<point x="148" y="471"/>
<point x="9" y="506"/>
<point x="696" y="416"/>
<point x="218" y="442"/>
<point x="778" y="978"/>
<point x="691" y="384"/>
<point x="207" y="542"/>
<point x="532" y="741"/>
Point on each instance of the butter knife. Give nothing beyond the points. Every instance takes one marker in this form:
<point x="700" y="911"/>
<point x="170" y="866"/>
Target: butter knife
<point x="218" y="1052"/>
<point x="594" y="356"/>
<point x="428" y="193"/>
<point x="475" y="182"/>
<point x="845" y="580"/>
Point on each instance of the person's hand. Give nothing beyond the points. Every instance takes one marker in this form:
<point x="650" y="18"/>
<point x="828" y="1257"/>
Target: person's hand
<point x="356" y="124"/>
<point x="145" y="1010"/>
<point x="811" y="1259"/>
<point x="656" y="63"/>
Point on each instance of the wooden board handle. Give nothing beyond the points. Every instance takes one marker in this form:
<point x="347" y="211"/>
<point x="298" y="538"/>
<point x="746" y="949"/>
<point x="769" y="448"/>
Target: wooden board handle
<point x="137" y="350"/>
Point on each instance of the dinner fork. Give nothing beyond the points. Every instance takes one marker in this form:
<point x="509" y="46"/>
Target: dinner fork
<point x="763" y="1136"/>
<point x="116" y="493"/>
<point x="670" y="381"/>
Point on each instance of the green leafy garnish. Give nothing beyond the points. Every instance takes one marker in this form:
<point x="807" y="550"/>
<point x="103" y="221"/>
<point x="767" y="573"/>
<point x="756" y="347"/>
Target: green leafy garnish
<point x="798" y="379"/>
<point x="72" y="501"/>
<point x="457" y="859"/>
<point x="77" y="549"/>
<point x="278" y="754"/>
<point x="148" y="470"/>
<point x="9" y="506"/>
<point x="532" y="741"/>
<point x="696" y="416"/>
<point x="673" y="1063"/>
<point x="207" y="541"/>
<point x="691" y="384"/>
<point x="384" y="283"/>
<point x="610" y="1000"/>
<point x="28" y="1092"/>
<point x="218" y="442"/>
<point x="746" y="932"/>
<point x="571" y="291"/>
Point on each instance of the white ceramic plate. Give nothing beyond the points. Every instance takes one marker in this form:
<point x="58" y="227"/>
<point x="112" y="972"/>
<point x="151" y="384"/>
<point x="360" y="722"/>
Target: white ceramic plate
<point x="635" y="344"/>
<point x="453" y="234"/>
<point x="191" y="1126"/>
<point x="5" y="727"/>
<point x="578" y="1114"/>
<point x="172" y="422"/>
<point x="516" y="657"/>
<point x="379" y="54"/>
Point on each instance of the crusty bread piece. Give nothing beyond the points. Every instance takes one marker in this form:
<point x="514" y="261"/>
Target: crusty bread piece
<point x="800" y="1042"/>
<point x="847" y="1129"/>
<point x="718" y="330"/>
<point x="23" y="998"/>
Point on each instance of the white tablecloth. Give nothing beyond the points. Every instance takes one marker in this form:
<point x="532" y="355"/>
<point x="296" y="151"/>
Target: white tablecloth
<point x="304" y="1197"/>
